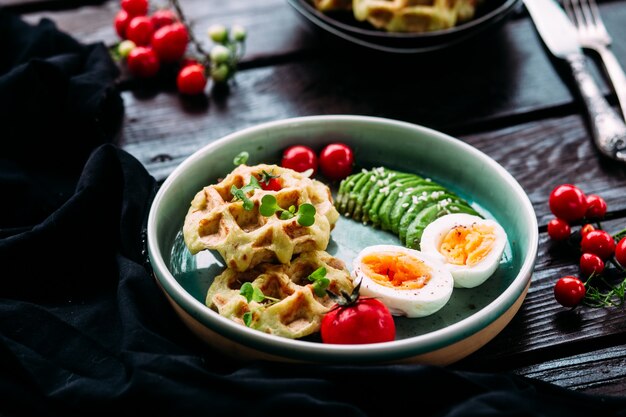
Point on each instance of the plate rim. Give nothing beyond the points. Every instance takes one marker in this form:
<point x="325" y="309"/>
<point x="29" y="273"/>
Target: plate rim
<point x="305" y="350"/>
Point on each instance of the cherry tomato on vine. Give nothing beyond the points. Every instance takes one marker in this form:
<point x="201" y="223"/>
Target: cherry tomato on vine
<point x="170" y="42"/>
<point x="336" y="161"/>
<point x="191" y="79"/>
<point x="163" y="17"/>
<point x="568" y="202"/>
<point x="121" y="23"/>
<point x="559" y="229"/>
<point x="569" y="291"/>
<point x="620" y="252"/>
<point x="299" y="158"/>
<point x="596" y="207"/>
<point x="367" y="320"/>
<point x="273" y="184"/>
<point x="591" y="264"/>
<point x="135" y="7"/>
<point x="586" y="229"/>
<point x="140" y="30"/>
<point x="143" y="62"/>
<point x="599" y="242"/>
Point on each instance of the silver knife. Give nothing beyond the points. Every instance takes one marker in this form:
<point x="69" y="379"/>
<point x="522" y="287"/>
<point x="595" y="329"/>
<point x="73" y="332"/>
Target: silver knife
<point x="559" y="36"/>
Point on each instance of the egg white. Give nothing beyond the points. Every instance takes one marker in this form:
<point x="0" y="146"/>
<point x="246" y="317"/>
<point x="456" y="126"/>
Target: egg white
<point x="465" y="276"/>
<point x="407" y="302"/>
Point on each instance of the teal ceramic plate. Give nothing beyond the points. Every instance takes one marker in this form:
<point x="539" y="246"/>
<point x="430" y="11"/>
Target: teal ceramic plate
<point x="471" y="318"/>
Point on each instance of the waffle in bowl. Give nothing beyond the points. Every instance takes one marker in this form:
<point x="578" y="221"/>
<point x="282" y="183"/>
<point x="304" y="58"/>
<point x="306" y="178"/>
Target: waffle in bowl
<point x="413" y="16"/>
<point x="297" y="311"/>
<point x="245" y="238"/>
<point x="331" y="5"/>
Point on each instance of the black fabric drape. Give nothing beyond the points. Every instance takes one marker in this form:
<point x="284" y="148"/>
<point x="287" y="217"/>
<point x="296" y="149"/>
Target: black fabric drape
<point x="84" y="329"/>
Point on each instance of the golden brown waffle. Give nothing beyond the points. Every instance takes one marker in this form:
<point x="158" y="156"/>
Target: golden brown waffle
<point x="297" y="312"/>
<point x="414" y="15"/>
<point x="329" y="5"/>
<point x="245" y="238"/>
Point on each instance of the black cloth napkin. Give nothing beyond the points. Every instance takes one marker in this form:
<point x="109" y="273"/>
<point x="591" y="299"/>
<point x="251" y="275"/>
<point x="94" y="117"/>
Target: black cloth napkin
<point x="84" y="329"/>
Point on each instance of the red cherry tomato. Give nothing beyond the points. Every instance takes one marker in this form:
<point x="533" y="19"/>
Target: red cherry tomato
<point x="568" y="202"/>
<point x="586" y="229"/>
<point x="191" y="79"/>
<point x="596" y="207"/>
<point x="368" y="320"/>
<point x="170" y="42"/>
<point x="299" y="158"/>
<point x="163" y="17"/>
<point x="273" y="184"/>
<point x="336" y="161"/>
<point x="591" y="264"/>
<point x="140" y="30"/>
<point x="135" y="7"/>
<point x="143" y="62"/>
<point x="569" y="291"/>
<point x="598" y="242"/>
<point x="121" y="23"/>
<point x="559" y="229"/>
<point x="620" y="252"/>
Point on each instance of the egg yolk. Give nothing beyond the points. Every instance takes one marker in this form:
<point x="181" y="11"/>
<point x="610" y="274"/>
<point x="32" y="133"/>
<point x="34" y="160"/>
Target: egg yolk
<point x="397" y="271"/>
<point x="467" y="245"/>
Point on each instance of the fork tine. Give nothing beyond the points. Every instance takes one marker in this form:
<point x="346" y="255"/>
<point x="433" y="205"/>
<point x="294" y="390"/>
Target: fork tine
<point x="579" y="17"/>
<point x="595" y="12"/>
<point x="567" y="5"/>
<point x="586" y="10"/>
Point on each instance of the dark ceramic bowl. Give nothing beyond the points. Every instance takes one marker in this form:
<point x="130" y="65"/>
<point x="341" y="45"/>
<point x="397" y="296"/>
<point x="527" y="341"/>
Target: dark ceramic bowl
<point x="343" y="25"/>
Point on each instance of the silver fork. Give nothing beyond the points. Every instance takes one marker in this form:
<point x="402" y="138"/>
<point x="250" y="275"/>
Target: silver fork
<point x="593" y="35"/>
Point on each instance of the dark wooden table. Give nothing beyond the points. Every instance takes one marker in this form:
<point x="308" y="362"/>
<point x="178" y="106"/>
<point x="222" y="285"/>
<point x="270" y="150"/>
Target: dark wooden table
<point x="503" y="95"/>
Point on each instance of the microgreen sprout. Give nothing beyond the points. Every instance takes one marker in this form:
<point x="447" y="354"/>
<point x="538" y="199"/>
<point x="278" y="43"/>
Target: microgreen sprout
<point x="252" y="293"/>
<point x="241" y="158"/>
<point x="305" y="213"/>
<point x="320" y="282"/>
<point x="242" y="193"/>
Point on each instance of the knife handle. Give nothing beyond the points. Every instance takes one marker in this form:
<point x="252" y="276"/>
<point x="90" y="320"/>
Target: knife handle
<point x="608" y="129"/>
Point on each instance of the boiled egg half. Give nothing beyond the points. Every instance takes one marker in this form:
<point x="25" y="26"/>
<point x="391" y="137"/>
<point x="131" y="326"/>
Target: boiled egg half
<point x="471" y="247"/>
<point x="409" y="282"/>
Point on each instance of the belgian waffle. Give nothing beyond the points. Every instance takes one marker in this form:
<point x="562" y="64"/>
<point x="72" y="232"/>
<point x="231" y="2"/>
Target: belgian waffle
<point x="245" y="238"/>
<point x="406" y="15"/>
<point x="329" y="5"/>
<point x="298" y="310"/>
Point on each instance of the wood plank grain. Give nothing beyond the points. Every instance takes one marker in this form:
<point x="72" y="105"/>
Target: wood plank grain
<point x="597" y="372"/>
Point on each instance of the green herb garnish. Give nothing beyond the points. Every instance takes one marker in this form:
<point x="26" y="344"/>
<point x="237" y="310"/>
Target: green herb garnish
<point x="241" y="158"/>
<point x="305" y="213"/>
<point x="320" y="282"/>
<point x="252" y="293"/>
<point x="247" y="318"/>
<point x="242" y="193"/>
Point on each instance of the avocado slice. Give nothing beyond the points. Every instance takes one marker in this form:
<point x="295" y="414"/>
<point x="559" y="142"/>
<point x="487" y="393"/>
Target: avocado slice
<point x="349" y="201"/>
<point x="387" y="207"/>
<point x="381" y="188"/>
<point x="380" y="177"/>
<point x="415" y="195"/>
<point x="345" y="187"/>
<point x="416" y="208"/>
<point x="430" y="214"/>
<point x="383" y="202"/>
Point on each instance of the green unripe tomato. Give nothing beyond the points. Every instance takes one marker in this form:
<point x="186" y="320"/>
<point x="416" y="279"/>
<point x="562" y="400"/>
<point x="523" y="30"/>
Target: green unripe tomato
<point x="220" y="72"/>
<point x="125" y="47"/>
<point x="218" y="33"/>
<point x="220" y="54"/>
<point x="238" y="33"/>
